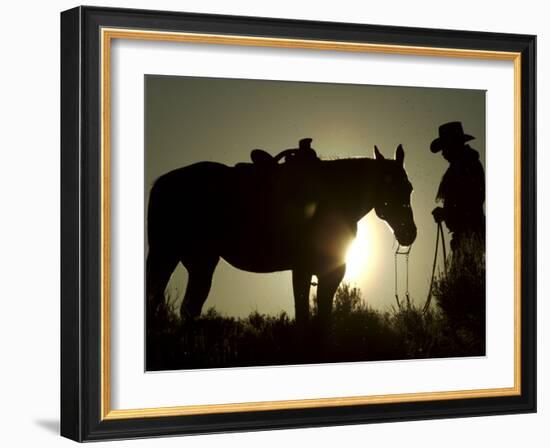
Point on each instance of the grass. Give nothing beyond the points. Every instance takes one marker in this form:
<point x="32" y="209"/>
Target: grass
<point x="454" y="326"/>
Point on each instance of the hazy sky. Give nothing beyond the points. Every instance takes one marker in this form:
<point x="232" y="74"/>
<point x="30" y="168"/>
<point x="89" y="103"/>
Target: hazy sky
<point x="192" y="119"/>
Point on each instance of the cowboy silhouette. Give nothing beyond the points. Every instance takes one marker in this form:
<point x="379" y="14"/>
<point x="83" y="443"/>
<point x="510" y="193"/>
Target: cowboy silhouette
<point x="461" y="191"/>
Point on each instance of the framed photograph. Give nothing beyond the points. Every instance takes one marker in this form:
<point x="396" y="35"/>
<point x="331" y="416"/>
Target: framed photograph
<point x="273" y="223"/>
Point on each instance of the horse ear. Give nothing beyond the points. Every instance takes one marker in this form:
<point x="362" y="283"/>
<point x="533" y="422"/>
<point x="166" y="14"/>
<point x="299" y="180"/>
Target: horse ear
<point x="400" y="155"/>
<point x="377" y="154"/>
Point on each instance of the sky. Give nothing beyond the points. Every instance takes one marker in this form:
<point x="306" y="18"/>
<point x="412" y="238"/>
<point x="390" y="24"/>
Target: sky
<point x="190" y="119"/>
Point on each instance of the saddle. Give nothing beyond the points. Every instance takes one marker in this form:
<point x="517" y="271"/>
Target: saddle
<point x="303" y="154"/>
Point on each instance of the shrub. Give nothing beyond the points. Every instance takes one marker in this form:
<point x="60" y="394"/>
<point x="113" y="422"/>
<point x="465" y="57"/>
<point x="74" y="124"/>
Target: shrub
<point x="460" y="296"/>
<point x="357" y="331"/>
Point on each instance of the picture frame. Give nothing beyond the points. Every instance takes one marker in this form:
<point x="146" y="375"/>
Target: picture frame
<point x="86" y="209"/>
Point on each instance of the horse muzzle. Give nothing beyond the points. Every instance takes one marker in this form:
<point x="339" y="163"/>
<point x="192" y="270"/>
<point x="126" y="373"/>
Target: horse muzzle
<point x="406" y="237"/>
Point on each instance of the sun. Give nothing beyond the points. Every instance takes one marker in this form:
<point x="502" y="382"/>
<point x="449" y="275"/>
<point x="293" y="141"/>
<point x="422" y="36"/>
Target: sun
<point x="359" y="253"/>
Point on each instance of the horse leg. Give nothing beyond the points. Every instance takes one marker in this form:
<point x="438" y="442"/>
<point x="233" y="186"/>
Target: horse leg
<point x="159" y="268"/>
<point x="328" y="284"/>
<point x="200" y="273"/>
<point x="301" y="283"/>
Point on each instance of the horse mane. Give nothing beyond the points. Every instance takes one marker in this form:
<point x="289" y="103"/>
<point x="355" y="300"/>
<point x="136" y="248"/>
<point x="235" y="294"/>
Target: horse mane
<point x="351" y="162"/>
<point x="357" y="165"/>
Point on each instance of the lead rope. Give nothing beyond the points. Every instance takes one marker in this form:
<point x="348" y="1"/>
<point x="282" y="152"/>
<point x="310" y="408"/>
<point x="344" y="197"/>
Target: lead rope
<point x="444" y="248"/>
<point x="442" y="235"/>
<point x="402" y="251"/>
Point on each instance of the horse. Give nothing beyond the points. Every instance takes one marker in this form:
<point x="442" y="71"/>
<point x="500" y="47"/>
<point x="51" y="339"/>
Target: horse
<point x="267" y="218"/>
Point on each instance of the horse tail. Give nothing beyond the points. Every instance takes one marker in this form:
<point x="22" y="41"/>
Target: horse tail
<point x="154" y="213"/>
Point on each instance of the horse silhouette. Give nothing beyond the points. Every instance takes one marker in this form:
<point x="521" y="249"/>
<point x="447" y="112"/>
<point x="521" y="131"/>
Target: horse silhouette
<point x="270" y="217"/>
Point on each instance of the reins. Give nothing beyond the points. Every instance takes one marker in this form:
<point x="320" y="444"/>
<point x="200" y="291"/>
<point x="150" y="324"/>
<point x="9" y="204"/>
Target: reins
<point x="406" y="251"/>
<point x="441" y="235"/>
<point x="402" y="251"/>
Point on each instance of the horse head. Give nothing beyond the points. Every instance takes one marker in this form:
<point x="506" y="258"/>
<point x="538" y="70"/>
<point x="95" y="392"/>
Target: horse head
<point x="393" y="202"/>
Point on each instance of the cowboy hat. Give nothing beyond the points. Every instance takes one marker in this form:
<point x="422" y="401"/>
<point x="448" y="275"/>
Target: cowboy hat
<point x="450" y="133"/>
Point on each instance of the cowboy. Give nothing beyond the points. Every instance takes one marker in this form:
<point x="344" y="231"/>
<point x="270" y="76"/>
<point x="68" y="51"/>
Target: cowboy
<point x="461" y="191"/>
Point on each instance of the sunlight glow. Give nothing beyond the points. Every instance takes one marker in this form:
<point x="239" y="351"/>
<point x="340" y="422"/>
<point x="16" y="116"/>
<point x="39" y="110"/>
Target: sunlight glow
<point x="360" y="254"/>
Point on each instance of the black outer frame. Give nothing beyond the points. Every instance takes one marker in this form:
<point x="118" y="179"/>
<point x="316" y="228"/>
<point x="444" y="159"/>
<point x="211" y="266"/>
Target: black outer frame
<point x="81" y="223"/>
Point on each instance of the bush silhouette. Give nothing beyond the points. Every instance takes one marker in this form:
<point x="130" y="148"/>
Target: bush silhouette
<point x="460" y="296"/>
<point x="357" y="332"/>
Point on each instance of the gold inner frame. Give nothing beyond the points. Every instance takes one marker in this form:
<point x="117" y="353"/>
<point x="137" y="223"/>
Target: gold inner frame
<point x="107" y="35"/>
